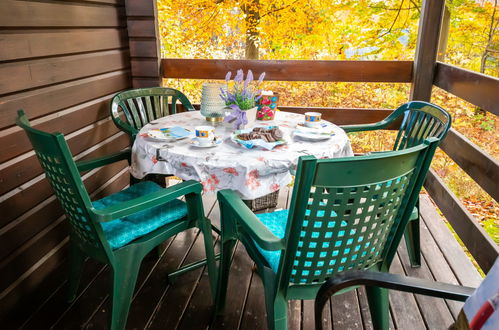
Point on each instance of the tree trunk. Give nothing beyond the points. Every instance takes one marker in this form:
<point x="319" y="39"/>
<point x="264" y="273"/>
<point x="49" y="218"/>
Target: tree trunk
<point x="444" y="35"/>
<point x="252" y="11"/>
<point x="485" y="54"/>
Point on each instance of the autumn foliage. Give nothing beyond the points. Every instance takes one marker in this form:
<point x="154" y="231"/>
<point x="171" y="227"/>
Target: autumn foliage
<point x="347" y="30"/>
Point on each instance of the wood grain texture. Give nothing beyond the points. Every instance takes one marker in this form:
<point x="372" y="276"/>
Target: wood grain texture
<point x="37" y="73"/>
<point x="141" y="28"/>
<point x="144" y="48"/>
<point x="474" y="237"/>
<point x="15" y="141"/>
<point x="426" y="49"/>
<point x="292" y="70"/>
<point x="18" y="45"/>
<point x="140" y="8"/>
<point x="43" y="101"/>
<point x="476" y="88"/>
<point x="58" y="14"/>
<point x="19" y="170"/>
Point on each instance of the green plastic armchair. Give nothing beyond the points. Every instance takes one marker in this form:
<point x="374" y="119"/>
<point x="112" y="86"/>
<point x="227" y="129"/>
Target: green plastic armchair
<point x="354" y="278"/>
<point x="345" y="213"/>
<point x="119" y="229"/>
<point x="419" y="121"/>
<point x="135" y="108"/>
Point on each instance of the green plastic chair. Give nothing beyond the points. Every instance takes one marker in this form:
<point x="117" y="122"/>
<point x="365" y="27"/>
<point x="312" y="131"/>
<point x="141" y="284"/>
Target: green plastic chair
<point x="419" y="121"/>
<point x="135" y="108"/>
<point x="354" y="278"/>
<point x="119" y="229"/>
<point x="345" y="213"/>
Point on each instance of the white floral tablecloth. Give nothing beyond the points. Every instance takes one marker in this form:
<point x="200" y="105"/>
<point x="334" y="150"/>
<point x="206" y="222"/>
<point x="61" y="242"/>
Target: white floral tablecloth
<point x="252" y="173"/>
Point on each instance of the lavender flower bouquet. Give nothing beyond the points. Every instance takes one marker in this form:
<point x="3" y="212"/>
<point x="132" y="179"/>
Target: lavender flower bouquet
<point x="241" y="95"/>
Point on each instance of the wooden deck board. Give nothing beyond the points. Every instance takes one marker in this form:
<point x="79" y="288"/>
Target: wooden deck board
<point x="186" y="303"/>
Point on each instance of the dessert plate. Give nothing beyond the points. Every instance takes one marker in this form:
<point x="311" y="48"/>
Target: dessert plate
<point x="249" y="144"/>
<point x="168" y="134"/>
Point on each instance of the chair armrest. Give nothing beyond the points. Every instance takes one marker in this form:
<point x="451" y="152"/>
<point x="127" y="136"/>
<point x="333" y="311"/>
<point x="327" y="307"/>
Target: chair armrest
<point x="251" y="224"/>
<point x="86" y="165"/>
<point x="389" y="281"/>
<point x="365" y="127"/>
<point x="147" y="201"/>
<point x="126" y="127"/>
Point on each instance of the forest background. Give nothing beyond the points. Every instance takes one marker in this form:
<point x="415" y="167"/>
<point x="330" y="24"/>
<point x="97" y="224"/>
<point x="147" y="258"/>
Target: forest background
<point x="348" y="30"/>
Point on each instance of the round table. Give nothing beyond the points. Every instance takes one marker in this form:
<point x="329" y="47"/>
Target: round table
<point x="253" y="173"/>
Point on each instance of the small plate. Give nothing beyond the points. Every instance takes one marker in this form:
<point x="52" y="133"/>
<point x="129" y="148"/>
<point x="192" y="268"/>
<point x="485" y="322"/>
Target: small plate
<point x="312" y="136"/>
<point x="319" y="133"/>
<point x="168" y="134"/>
<point x="216" y="142"/>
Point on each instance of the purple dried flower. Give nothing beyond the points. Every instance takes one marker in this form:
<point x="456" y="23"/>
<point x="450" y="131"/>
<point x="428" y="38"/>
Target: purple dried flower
<point x="239" y="76"/>
<point x="260" y="79"/>
<point x="227" y="76"/>
<point x="249" y="78"/>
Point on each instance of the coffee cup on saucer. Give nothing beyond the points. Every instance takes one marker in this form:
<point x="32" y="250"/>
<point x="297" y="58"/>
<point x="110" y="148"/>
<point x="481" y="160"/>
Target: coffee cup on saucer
<point x="205" y="134"/>
<point x="313" y="119"/>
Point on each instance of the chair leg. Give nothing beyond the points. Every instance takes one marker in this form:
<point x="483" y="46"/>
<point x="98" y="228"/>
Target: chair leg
<point x="412" y="241"/>
<point x="76" y="261"/>
<point x="205" y="226"/>
<point x="124" y="276"/>
<point x="223" y="274"/>
<point x="277" y="310"/>
<point x="379" y="305"/>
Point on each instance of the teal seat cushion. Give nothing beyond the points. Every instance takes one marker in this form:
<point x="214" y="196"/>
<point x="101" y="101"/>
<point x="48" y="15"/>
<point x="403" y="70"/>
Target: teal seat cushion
<point x="122" y="231"/>
<point x="276" y="223"/>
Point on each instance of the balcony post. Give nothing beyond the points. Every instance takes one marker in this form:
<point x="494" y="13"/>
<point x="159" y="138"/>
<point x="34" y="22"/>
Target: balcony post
<point x="426" y="49"/>
<point x="143" y="39"/>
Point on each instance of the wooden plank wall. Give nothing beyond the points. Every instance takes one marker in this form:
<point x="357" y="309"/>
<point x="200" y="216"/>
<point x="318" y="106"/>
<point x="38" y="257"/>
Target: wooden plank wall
<point x="144" y="42"/>
<point x="60" y="61"/>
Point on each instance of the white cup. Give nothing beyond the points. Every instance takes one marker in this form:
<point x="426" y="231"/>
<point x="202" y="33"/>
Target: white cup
<point x="205" y="134"/>
<point x="312" y="119"/>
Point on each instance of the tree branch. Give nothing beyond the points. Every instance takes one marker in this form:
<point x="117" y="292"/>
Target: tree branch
<point x="394" y="21"/>
<point x="279" y="9"/>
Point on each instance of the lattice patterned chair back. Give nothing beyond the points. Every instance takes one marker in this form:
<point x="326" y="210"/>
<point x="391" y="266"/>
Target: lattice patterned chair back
<point x="61" y="171"/>
<point x="133" y="109"/>
<point x="421" y="120"/>
<point x="350" y="213"/>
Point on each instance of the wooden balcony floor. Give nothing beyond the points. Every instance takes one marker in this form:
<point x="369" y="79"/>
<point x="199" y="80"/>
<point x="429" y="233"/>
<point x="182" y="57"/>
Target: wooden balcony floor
<point x="185" y="304"/>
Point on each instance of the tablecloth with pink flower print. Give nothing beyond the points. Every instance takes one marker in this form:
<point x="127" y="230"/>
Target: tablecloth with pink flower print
<point x="252" y="173"/>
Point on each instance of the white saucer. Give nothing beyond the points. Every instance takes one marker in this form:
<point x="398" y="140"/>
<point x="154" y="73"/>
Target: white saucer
<point x="318" y="125"/>
<point x="216" y="142"/>
<point x="311" y="136"/>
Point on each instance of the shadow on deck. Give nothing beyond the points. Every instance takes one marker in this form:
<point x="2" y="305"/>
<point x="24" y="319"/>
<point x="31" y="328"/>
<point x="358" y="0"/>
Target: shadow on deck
<point x="185" y="304"/>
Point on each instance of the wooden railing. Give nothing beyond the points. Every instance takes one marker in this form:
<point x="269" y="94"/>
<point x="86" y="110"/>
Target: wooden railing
<point x="478" y="89"/>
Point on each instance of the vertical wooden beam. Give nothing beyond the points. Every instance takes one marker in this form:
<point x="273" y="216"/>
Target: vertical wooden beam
<point x="143" y="38"/>
<point x="426" y="49"/>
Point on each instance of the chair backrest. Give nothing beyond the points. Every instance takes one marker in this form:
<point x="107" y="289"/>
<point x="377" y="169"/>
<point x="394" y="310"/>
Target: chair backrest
<point x="61" y="172"/>
<point x="349" y="213"/>
<point x="420" y="121"/>
<point x="140" y="106"/>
